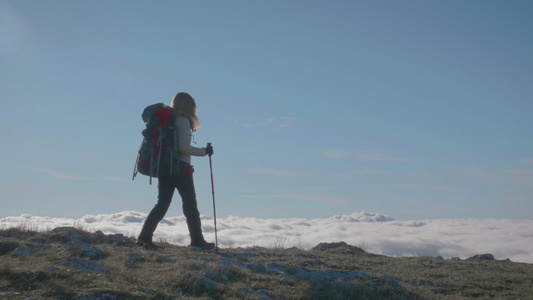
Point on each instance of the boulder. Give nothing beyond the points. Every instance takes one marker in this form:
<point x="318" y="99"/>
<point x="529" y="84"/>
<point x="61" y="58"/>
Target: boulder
<point x="486" y="256"/>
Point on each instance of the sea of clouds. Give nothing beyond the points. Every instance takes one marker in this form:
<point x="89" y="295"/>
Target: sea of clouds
<point x="375" y="233"/>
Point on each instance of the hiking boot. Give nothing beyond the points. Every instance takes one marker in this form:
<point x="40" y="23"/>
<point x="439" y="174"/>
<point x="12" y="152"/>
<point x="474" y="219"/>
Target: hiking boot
<point x="146" y="245"/>
<point x="204" y="245"/>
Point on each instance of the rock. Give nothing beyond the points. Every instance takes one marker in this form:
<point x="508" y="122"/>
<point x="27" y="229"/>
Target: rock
<point x="51" y="269"/>
<point x="39" y="247"/>
<point x="456" y="258"/>
<point x="208" y="283"/>
<point x="486" y="256"/>
<point x="83" y="265"/>
<point x="119" y="239"/>
<point x="275" y="268"/>
<point x="257" y="267"/>
<point x="333" y="276"/>
<point x="227" y="265"/>
<point x="134" y="260"/>
<point x="22" y="251"/>
<point x="67" y="234"/>
<point x="84" y="249"/>
<point x="46" y="237"/>
<point x="388" y="281"/>
<point x="99" y="237"/>
<point x="162" y="259"/>
<point x="317" y="276"/>
<point x="214" y="275"/>
<point x="329" y="246"/>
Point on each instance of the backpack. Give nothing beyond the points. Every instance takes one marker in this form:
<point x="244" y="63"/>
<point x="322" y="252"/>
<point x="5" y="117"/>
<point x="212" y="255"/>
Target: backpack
<point x="156" y="155"/>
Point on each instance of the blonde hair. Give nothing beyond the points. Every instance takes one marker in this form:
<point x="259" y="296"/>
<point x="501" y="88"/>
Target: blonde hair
<point x="185" y="106"/>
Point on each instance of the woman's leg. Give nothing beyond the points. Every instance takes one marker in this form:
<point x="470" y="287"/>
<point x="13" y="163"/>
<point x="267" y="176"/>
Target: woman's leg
<point x="166" y="190"/>
<point x="185" y="185"/>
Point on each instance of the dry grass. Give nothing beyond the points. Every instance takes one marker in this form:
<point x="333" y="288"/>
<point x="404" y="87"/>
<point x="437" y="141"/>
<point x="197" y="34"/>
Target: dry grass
<point x="252" y="273"/>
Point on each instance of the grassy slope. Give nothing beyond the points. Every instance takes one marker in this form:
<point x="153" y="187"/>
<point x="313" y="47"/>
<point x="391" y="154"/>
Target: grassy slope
<point x="335" y="272"/>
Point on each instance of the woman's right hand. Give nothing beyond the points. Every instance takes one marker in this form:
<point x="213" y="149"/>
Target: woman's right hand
<point x="209" y="149"/>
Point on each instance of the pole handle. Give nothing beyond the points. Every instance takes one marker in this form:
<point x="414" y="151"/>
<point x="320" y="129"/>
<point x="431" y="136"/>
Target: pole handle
<point x="209" y="145"/>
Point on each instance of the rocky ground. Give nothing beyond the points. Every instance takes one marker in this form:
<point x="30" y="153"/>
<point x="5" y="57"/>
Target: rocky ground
<point x="68" y="263"/>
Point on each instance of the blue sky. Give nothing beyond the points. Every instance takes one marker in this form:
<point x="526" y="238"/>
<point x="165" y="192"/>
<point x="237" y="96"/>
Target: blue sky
<point x="413" y="109"/>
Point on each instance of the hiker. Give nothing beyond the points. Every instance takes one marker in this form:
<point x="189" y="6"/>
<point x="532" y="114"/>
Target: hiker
<point x="186" y="123"/>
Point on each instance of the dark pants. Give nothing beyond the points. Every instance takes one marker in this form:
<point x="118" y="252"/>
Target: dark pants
<point x="167" y="185"/>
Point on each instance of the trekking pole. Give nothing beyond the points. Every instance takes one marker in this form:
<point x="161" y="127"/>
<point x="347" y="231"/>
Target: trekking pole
<point x="213" y="192"/>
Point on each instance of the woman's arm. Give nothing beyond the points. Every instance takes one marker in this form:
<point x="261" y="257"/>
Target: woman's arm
<point x="184" y="138"/>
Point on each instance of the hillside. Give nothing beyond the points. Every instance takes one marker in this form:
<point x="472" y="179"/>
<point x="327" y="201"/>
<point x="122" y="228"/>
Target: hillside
<point x="69" y="263"/>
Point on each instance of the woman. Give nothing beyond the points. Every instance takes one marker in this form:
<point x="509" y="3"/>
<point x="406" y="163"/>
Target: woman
<point x="186" y="123"/>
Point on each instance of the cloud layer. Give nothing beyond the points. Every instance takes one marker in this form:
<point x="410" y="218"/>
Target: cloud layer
<point x="373" y="232"/>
